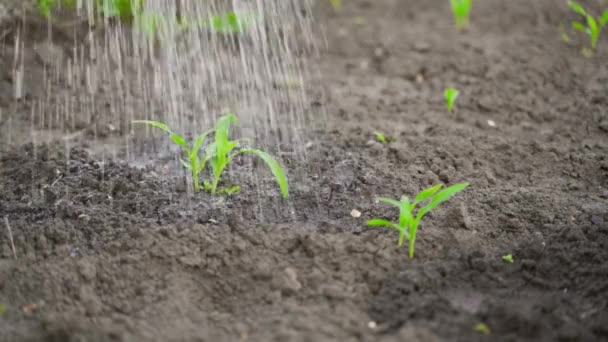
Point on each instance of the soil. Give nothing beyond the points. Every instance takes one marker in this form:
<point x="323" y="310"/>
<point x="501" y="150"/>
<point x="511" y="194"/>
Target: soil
<point x="108" y="251"/>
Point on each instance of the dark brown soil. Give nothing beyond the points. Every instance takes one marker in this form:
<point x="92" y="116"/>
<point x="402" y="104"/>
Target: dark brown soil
<point x="111" y="252"/>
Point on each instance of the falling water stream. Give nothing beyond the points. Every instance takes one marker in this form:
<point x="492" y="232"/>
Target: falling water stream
<point x="118" y="72"/>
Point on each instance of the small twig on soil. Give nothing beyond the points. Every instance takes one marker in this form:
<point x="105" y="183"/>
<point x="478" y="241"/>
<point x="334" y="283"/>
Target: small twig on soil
<point x="10" y="236"/>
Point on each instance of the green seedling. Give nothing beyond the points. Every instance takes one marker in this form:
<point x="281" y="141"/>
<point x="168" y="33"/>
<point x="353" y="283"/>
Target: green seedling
<point x="2" y="309"/>
<point x="408" y="222"/>
<point x="461" y="10"/>
<point x="218" y="154"/>
<point x="450" y="95"/>
<point x="194" y="164"/>
<point x="383" y="138"/>
<point x="336" y="4"/>
<point x="482" y="328"/>
<point x="593" y="25"/>
<point x="508" y="258"/>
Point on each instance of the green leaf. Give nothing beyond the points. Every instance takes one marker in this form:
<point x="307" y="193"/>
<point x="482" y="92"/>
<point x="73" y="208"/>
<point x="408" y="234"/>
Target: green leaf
<point x="442" y="196"/>
<point x="178" y="139"/>
<point x="380" y="137"/>
<point x="423" y="195"/>
<point x="275" y="167"/>
<point x="577" y="8"/>
<point x="579" y="26"/>
<point x="604" y="18"/>
<point x="451" y="95"/>
<point x="389" y="224"/>
<point x="391" y="201"/>
<point x="200" y="140"/>
<point x="185" y="164"/>
<point x="508" y="258"/>
<point x="2" y="309"/>
<point x="594" y="31"/>
<point x="222" y="130"/>
<point x="405" y="214"/>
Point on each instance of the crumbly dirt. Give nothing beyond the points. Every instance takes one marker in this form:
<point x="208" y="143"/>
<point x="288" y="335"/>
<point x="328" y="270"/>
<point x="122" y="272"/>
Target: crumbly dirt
<point x="108" y="251"/>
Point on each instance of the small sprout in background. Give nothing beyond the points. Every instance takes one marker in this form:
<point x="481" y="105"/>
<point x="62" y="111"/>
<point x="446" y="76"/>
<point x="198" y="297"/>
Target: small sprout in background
<point x="508" y="258"/>
<point x="336" y="4"/>
<point x="593" y="26"/>
<point x="383" y="138"/>
<point x="482" y="329"/>
<point x="461" y="10"/>
<point x="564" y="34"/>
<point x="359" y="20"/>
<point x="2" y="309"/>
<point x="451" y="95"/>
<point x="408" y="222"/>
<point x="219" y="154"/>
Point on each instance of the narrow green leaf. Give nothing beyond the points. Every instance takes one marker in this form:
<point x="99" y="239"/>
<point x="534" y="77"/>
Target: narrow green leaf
<point x="222" y="130"/>
<point x="380" y="137"/>
<point x="200" y="140"/>
<point x="604" y="18"/>
<point x="185" y="164"/>
<point x="594" y="31"/>
<point x="451" y="95"/>
<point x="391" y="201"/>
<point x="445" y="194"/>
<point x="275" y="167"/>
<point x="423" y="195"/>
<point x="579" y="26"/>
<point x="577" y="8"/>
<point x="405" y="214"/>
<point x="389" y="224"/>
<point x="178" y="139"/>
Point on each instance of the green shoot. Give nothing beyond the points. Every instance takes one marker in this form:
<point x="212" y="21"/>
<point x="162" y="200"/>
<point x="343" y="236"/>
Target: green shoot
<point x="194" y="164"/>
<point x="219" y="154"/>
<point x="384" y="139"/>
<point x="336" y="4"/>
<point x="2" y="309"/>
<point x="482" y="329"/>
<point x="408" y="221"/>
<point x="451" y="95"/>
<point x="593" y="26"/>
<point x="461" y="10"/>
<point x="508" y="258"/>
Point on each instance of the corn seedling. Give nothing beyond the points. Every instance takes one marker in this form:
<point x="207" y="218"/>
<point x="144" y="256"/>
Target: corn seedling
<point x="218" y="154"/>
<point x="508" y="258"/>
<point x="2" y="309"/>
<point x="336" y="4"/>
<point x="461" y="10"/>
<point x="593" y="26"/>
<point x="450" y="95"/>
<point x="383" y="138"/>
<point x="408" y="221"/>
<point x="482" y="328"/>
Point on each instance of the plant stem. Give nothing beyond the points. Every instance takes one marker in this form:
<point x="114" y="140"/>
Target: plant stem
<point x="195" y="181"/>
<point x="412" y="243"/>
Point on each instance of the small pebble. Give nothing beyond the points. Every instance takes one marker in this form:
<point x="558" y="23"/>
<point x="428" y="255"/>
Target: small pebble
<point x="372" y="325"/>
<point x="355" y="213"/>
<point x="491" y="123"/>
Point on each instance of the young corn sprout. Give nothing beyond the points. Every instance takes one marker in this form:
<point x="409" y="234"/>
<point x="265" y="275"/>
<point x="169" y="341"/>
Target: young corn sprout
<point x="508" y="258"/>
<point x="336" y="4"/>
<point x="383" y="138"/>
<point x="218" y="154"/>
<point x="593" y="25"/>
<point x="450" y="95"/>
<point x="408" y="221"/>
<point x="461" y="10"/>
